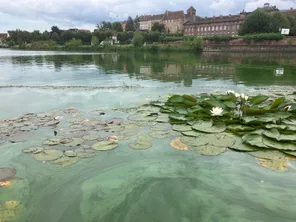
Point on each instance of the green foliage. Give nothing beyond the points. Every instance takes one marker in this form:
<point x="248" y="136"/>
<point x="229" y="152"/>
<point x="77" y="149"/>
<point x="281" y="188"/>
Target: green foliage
<point x="151" y="37"/>
<point x="94" y="40"/>
<point x="130" y="24"/>
<point x="258" y="21"/>
<point x="73" y="44"/>
<point x="262" y="37"/>
<point x="220" y="38"/>
<point x="172" y="38"/>
<point x="290" y="41"/>
<point x="125" y="37"/>
<point x="138" y="40"/>
<point x="104" y="26"/>
<point x="116" y="26"/>
<point x="196" y="44"/>
<point x="158" y="27"/>
<point x="278" y="21"/>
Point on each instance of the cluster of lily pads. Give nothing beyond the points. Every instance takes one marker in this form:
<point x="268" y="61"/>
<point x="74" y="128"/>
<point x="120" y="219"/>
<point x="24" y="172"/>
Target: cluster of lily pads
<point x="263" y="126"/>
<point x="10" y="210"/>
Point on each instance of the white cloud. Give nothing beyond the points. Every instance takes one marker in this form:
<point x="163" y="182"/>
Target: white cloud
<point x="42" y="14"/>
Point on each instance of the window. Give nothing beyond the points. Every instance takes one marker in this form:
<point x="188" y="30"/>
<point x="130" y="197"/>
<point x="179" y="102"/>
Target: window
<point x="225" y="27"/>
<point x="228" y="27"/>
<point x="213" y="28"/>
<point x="217" y="28"/>
<point x="205" y="29"/>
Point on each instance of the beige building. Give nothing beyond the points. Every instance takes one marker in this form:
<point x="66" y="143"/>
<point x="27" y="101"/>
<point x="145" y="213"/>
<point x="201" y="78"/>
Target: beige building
<point x="147" y="21"/>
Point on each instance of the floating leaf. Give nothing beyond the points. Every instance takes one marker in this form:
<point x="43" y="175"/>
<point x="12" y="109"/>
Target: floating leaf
<point x="177" y="144"/>
<point x="141" y="145"/>
<point x="75" y="142"/>
<point x="114" y="120"/>
<point x="276" y="126"/>
<point x="97" y="112"/>
<point x="292" y="153"/>
<point x="104" y="145"/>
<point x="278" y="145"/>
<point x="85" y="153"/>
<point x="194" y="141"/>
<point x="240" y="146"/>
<point x="254" y="140"/>
<point x="267" y="154"/>
<point x="191" y="133"/>
<point x="256" y="100"/>
<point x="275" y="134"/>
<point x="48" y="155"/>
<point x="160" y="127"/>
<point x="52" y="141"/>
<point x="236" y="127"/>
<point x="145" y="138"/>
<point x="90" y="137"/>
<point x="70" y="153"/>
<point x="66" y="161"/>
<point x="278" y="164"/>
<point x="208" y="127"/>
<point x="277" y="103"/>
<point x="129" y="132"/>
<point x="230" y="104"/>
<point x="159" y="134"/>
<point x="182" y="128"/>
<point x="33" y="150"/>
<point x="143" y="116"/>
<point x="209" y="150"/>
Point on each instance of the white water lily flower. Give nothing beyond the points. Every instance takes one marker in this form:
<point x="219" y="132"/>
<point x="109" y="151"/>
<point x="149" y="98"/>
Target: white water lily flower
<point x="237" y="95"/>
<point x="244" y="97"/>
<point x="288" y="108"/>
<point x="230" y="92"/>
<point x="216" y="111"/>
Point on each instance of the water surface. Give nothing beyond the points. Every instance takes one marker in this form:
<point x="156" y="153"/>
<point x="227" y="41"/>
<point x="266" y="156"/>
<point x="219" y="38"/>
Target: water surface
<point x="158" y="184"/>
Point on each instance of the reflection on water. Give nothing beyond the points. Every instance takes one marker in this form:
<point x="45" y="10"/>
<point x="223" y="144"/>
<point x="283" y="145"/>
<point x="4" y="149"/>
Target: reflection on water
<point x="185" y="69"/>
<point x="124" y="185"/>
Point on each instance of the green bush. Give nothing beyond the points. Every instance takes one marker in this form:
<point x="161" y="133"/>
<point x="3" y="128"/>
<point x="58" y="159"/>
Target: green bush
<point x="195" y="44"/>
<point x="263" y="36"/>
<point x="138" y="40"/>
<point x="172" y="38"/>
<point x="42" y="45"/>
<point x="73" y="44"/>
<point x="220" y="38"/>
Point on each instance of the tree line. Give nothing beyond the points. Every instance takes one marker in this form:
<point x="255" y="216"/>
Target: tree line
<point x="261" y="21"/>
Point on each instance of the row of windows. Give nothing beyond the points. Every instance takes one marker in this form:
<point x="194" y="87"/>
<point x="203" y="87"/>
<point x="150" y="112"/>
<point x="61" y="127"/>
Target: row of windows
<point x="212" y="34"/>
<point x="213" y="28"/>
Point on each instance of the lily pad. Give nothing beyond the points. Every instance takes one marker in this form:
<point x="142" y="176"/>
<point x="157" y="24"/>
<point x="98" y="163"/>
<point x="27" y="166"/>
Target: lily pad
<point x="10" y="210"/>
<point x="114" y="128"/>
<point x="145" y="138"/>
<point x="28" y="128"/>
<point x="178" y="144"/>
<point x="159" y="134"/>
<point x="209" y="150"/>
<point x="129" y="132"/>
<point x="236" y="127"/>
<point x="104" y="145"/>
<point x="192" y="133"/>
<point x="48" y="155"/>
<point x="275" y="134"/>
<point x="141" y="145"/>
<point x="52" y="141"/>
<point x="70" y="110"/>
<point x="7" y="174"/>
<point x="70" y="153"/>
<point x="66" y="161"/>
<point x="267" y="154"/>
<point x="278" y="164"/>
<point x="85" y="153"/>
<point x="114" y="121"/>
<point x="194" y="141"/>
<point x="160" y="127"/>
<point x="33" y="150"/>
<point x="209" y="127"/>
<point x="97" y="112"/>
<point x="279" y="145"/>
<point x="75" y="142"/>
<point x="239" y="145"/>
<point x="182" y="128"/>
<point x="254" y="140"/>
<point x="90" y="137"/>
<point x="143" y="116"/>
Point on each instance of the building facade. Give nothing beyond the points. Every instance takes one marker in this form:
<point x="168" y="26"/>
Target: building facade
<point x="3" y="35"/>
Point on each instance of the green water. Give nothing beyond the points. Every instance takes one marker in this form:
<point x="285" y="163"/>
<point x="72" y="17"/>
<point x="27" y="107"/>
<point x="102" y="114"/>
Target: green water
<point x="158" y="184"/>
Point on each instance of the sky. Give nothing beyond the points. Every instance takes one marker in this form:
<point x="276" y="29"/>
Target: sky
<point x="85" y="14"/>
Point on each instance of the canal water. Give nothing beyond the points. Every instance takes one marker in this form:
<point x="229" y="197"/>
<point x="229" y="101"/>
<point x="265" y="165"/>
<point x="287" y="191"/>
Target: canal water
<point x="126" y="185"/>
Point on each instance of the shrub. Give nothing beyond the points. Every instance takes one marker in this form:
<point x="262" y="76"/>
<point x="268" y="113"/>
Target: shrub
<point x="138" y="40"/>
<point x="73" y="44"/>
<point x="263" y="36"/>
<point x="172" y="38"/>
<point x="196" y="44"/>
<point x="220" y="38"/>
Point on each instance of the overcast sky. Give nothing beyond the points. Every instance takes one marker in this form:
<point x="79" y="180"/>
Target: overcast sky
<point x="42" y="14"/>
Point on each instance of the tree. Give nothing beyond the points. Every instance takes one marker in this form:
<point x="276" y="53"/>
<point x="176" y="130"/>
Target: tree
<point x="55" y="29"/>
<point x="45" y="35"/>
<point x="103" y="26"/>
<point x="138" y="40"/>
<point x="67" y="36"/>
<point x="94" y="40"/>
<point x="137" y="22"/>
<point x="130" y="24"/>
<point x="158" y="27"/>
<point x="116" y="26"/>
<point x="257" y="22"/>
<point x="279" y="20"/>
<point x="55" y="37"/>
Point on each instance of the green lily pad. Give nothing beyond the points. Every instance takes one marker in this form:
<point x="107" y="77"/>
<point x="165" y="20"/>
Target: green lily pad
<point x="279" y="145"/>
<point x="254" y="140"/>
<point x="192" y="133"/>
<point x="163" y="118"/>
<point x="143" y="116"/>
<point x="115" y="120"/>
<point x="289" y="121"/>
<point x="66" y="161"/>
<point x="128" y="133"/>
<point x="97" y="112"/>
<point x="141" y="145"/>
<point x="275" y="134"/>
<point x="182" y="128"/>
<point x="48" y="155"/>
<point x="75" y="120"/>
<point x="29" y="128"/>
<point x="90" y="137"/>
<point x="70" y="153"/>
<point x="291" y="153"/>
<point x="75" y="142"/>
<point x="194" y="141"/>
<point x="85" y="153"/>
<point x="160" y="127"/>
<point x="145" y="138"/>
<point x="236" y="127"/>
<point x="146" y="124"/>
<point x="276" y="126"/>
<point x="114" y="128"/>
<point x="178" y="144"/>
<point x="208" y="127"/>
<point x="104" y="145"/>
<point x="239" y="145"/>
<point x="33" y="150"/>
<point x="209" y="150"/>
<point x="267" y="154"/>
<point x="52" y="142"/>
<point x="160" y="134"/>
<point x="70" y="110"/>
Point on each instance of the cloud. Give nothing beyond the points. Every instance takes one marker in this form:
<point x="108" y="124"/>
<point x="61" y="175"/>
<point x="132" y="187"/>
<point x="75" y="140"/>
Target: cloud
<point x="42" y="14"/>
